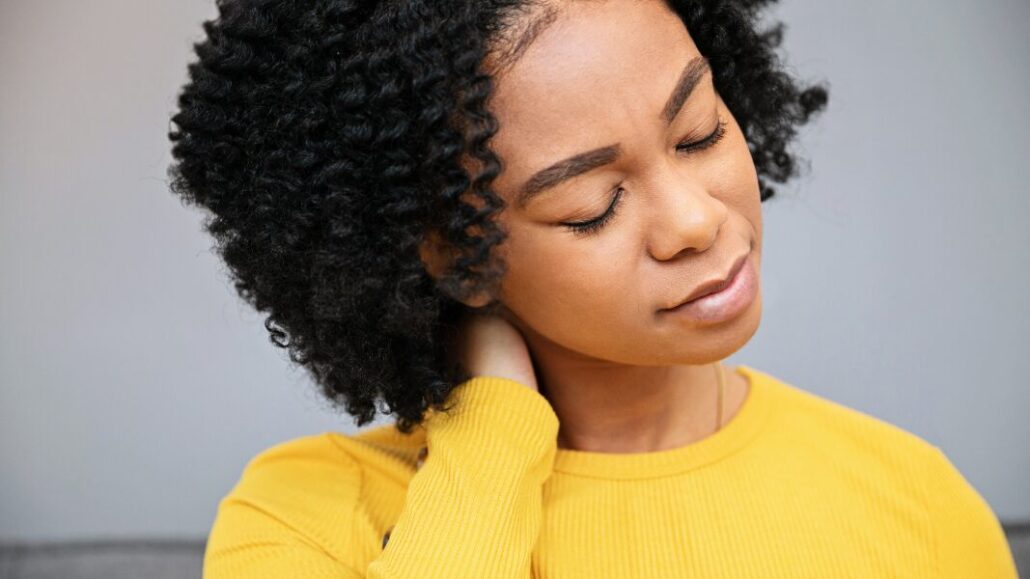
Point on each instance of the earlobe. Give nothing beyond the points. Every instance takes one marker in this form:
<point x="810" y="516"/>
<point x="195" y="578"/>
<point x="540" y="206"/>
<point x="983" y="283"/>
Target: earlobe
<point x="431" y="252"/>
<point x="477" y="301"/>
<point x="436" y="257"/>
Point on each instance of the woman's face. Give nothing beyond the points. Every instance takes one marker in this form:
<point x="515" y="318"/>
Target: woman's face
<point x="602" y="75"/>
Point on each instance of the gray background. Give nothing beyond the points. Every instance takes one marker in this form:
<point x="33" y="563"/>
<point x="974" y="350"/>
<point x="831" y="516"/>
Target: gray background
<point x="135" y="385"/>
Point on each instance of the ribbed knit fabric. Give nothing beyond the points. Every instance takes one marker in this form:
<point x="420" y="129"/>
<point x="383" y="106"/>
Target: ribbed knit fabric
<point x="794" y="485"/>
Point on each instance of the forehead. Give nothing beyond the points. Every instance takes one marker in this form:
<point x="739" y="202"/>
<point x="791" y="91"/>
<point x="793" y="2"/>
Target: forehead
<point x="597" y="66"/>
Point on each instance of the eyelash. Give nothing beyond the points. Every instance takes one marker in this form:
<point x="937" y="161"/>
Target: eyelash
<point x="594" y="225"/>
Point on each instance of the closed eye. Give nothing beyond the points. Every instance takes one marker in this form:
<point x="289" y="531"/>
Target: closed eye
<point x="708" y="141"/>
<point x="594" y="225"/>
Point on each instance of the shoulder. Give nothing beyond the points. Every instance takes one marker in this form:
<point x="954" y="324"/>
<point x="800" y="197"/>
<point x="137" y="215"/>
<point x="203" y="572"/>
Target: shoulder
<point x="327" y="464"/>
<point x="302" y="468"/>
<point x="332" y="470"/>
<point x="293" y="486"/>
<point x="899" y="468"/>
<point x="300" y="497"/>
<point x="970" y="538"/>
<point x="872" y="454"/>
<point x="845" y="431"/>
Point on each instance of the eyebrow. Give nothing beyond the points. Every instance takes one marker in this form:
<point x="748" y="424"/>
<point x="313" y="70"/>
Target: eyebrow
<point x="580" y="163"/>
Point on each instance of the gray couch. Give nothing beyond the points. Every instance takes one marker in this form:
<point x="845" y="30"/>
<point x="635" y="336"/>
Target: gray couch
<point x="183" y="559"/>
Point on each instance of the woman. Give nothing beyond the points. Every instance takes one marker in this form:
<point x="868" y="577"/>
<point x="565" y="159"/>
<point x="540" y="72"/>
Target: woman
<point x="533" y="230"/>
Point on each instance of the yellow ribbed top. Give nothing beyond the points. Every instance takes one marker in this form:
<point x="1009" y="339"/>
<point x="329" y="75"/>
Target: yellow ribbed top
<point x="794" y="485"/>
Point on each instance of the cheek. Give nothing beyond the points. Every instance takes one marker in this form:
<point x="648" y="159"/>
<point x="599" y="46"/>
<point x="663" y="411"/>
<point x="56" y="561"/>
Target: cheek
<point x="747" y="195"/>
<point x="563" y="287"/>
<point x="734" y="178"/>
<point x="739" y="183"/>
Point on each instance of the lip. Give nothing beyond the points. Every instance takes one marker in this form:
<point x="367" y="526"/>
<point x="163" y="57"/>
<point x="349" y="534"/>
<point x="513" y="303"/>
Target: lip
<point x="736" y="295"/>
<point x="713" y="286"/>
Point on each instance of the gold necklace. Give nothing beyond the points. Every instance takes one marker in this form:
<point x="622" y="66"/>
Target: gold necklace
<point x="722" y="386"/>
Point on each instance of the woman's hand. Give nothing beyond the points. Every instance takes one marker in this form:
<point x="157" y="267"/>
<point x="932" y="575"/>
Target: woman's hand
<point x="489" y="345"/>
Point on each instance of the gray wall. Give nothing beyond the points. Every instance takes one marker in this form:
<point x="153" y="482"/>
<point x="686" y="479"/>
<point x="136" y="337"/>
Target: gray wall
<point x="134" y="385"/>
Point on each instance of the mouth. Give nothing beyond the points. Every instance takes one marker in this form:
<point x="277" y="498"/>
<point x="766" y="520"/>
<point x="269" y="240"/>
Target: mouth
<point x="715" y="285"/>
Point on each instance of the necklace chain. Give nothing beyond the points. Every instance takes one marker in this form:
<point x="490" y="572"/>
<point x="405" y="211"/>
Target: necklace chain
<point x="719" y="399"/>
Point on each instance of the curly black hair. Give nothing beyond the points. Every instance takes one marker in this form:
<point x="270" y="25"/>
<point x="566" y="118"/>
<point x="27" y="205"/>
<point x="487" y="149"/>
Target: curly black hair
<point x="328" y="138"/>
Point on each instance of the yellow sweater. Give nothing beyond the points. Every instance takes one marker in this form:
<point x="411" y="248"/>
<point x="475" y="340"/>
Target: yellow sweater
<point x="794" y="485"/>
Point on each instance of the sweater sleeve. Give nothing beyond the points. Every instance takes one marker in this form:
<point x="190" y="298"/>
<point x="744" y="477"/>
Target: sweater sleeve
<point x="474" y="509"/>
<point x="971" y="541"/>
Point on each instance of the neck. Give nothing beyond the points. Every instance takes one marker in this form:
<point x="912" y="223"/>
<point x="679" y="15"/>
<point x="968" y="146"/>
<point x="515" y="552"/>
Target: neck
<point x="615" y="408"/>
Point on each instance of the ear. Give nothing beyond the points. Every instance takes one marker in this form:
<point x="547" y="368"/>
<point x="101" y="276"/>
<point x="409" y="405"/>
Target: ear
<point x="434" y="255"/>
<point x="437" y="258"/>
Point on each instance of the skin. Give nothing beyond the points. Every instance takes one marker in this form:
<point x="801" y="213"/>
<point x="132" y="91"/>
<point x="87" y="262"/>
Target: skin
<point x="621" y="377"/>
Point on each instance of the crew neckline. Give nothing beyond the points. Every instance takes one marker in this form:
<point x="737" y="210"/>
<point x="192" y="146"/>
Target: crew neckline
<point x="736" y="433"/>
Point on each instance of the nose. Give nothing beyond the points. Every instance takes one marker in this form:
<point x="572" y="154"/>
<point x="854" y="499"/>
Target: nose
<point x="686" y="217"/>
